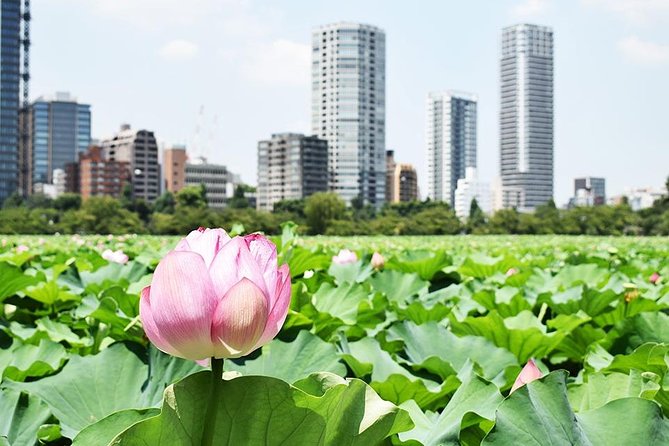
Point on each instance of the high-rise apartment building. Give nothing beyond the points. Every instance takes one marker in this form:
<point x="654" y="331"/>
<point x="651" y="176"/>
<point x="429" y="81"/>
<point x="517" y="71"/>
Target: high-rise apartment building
<point x="174" y="168"/>
<point x="451" y="141"/>
<point x="291" y="166"/>
<point x="101" y="177"/>
<point x="401" y="180"/>
<point x="526" y="116"/>
<point x="219" y="183"/>
<point x="140" y="149"/>
<point x="59" y="129"/>
<point x="349" y="107"/>
<point x="10" y="81"/>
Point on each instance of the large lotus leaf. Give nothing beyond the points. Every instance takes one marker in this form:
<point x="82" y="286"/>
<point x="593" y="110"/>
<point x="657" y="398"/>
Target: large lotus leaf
<point x="649" y="327"/>
<point x="58" y="332"/>
<point x="350" y="272"/>
<point x="601" y="388"/>
<point x="268" y="411"/>
<point x="399" y="287"/>
<point x="507" y="301"/>
<point x="31" y="361"/>
<point x="14" y="279"/>
<point x="291" y="361"/>
<point x="430" y="345"/>
<point x="300" y="260"/>
<point x="579" y="298"/>
<point x="103" y="432"/>
<point x="49" y="293"/>
<point x="341" y="302"/>
<point x="21" y="415"/>
<point x="482" y="266"/>
<point x="92" y="387"/>
<point x="113" y="273"/>
<point x="475" y="395"/>
<point x="392" y="381"/>
<point x="425" y="263"/>
<point x="649" y="357"/>
<point x="539" y="414"/>
<point x="523" y="335"/>
<point x="571" y="275"/>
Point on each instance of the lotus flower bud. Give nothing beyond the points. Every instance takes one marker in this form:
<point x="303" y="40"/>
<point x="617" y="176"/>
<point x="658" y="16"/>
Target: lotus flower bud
<point x="654" y="278"/>
<point x="529" y="373"/>
<point x="344" y="257"/>
<point x="216" y="296"/>
<point x="378" y="261"/>
<point x="511" y="272"/>
<point x="115" y="256"/>
<point x="21" y="248"/>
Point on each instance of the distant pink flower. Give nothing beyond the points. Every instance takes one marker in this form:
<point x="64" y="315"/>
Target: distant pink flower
<point x="21" y="248"/>
<point x="511" y="272"/>
<point x="216" y="296"/>
<point x="529" y="373"/>
<point x="115" y="256"/>
<point x="654" y="278"/>
<point x="378" y="261"/>
<point x="344" y="257"/>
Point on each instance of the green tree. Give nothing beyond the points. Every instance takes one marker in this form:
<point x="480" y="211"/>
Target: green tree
<point x="320" y="208"/>
<point x="13" y="201"/>
<point x="192" y="197"/>
<point x="477" y="219"/>
<point x="67" y="201"/>
<point x="504" y="221"/>
<point x="38" y="201"/>
<point x="435" y="220"/>
<point x="165" y="203"/>
<point x="239" y="200"/>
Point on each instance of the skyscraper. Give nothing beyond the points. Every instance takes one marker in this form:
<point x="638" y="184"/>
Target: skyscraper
<point x="59" y="129"/>
<point x="10" y="79"/>
<point x="174" y="168"/>
<point x="451" y="141"/>
<point x="526" y="116"/>
<point x="140" y="149"/>
<point x="349" y="107"/>
<point x="291" y="166"/>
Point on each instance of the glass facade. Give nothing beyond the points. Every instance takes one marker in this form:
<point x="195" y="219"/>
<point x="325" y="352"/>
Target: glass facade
<point x="61" y="129"/>
<point x="451" y="141"/>
<point x="348" y="107"/>
<point x="10" y="72"/>
<point x="526" y="116"/>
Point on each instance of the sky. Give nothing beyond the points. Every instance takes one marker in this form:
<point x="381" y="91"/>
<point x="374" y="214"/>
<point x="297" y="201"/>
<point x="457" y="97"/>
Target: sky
<point x="220" y="75"/>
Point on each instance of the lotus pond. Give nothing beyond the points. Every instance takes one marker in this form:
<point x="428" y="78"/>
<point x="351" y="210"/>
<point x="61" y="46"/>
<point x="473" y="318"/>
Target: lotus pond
<point x="421" y="350"/>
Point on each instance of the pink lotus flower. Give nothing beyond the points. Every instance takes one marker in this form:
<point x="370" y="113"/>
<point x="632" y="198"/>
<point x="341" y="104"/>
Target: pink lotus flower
<point x="511" y="272"/>
<point x="21" y="248"/>
<point x="115" y="256"/>
<point x="654" y="278"/>
<point x="344" y="257"/>
<point x="529" y="373"/>
<point x="378" y="261"/>
<point x="216" y="296"/>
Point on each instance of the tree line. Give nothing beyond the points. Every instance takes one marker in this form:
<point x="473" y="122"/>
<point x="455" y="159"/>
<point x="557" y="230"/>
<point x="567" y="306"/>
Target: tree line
<point x="321" y="213"/>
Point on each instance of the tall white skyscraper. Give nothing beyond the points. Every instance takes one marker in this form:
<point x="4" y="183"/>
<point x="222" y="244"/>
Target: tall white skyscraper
<point x="526" y="116"/>
<point x="451" y="142"/>
<point x="349" y="107"/>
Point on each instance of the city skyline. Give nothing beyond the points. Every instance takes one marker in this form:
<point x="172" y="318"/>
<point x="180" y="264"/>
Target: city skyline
<point x="595" y="114"/>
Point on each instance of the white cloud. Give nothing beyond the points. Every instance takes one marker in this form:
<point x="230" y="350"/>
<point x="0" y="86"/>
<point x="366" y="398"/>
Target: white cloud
<point x="280" y="62"/>
<point x="642" y="51"/>
<point x="529" y="8"/>
<point x="179" y="50"/>
<point x="638" y="12"/>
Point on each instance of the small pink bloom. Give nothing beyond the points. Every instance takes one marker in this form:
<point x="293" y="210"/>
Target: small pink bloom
<point x="115" y="256"/>
<point x="654" y="278"/>
<point x="529" y="373"/>
<point x="21" y="248"/>
<point x="511" y="271"/>
<point x="378" y="261"/>
<point x="216" y="296"/>
<point x="345" y="256"/>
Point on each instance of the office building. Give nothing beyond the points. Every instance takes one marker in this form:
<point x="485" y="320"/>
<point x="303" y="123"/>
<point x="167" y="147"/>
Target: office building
<point x="451" y="141"/>
<point x="639" y="198"/>
<point x="589" y="191"/>
<point x="140" y="149"/>
<point x="349" y="107"/>
<point x="174" y="168"/>
<point x="59" y="129"/>
<point x="101" y="177"/>
<point x="470" y="188"/>
<point x="526" y="116"/>
<point x="291" y="166"/>
<point x="10" y="84"/>
<point x="401" y="180"/>
<point x="218" y="181"/>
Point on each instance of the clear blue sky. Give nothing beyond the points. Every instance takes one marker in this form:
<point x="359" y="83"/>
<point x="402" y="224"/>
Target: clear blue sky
<point x="238" y="70"/>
